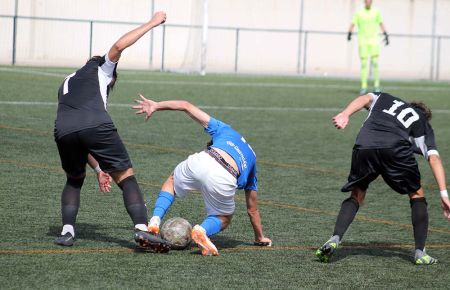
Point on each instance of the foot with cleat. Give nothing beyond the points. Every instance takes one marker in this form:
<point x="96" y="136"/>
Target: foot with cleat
<point x="422" y="258"/>
<point x="325" y="252"/>
<point x="153" y="225"/>
<point x="149" y="241"/>
<point x="65" y="240"/>
<point x="201" y="239"/>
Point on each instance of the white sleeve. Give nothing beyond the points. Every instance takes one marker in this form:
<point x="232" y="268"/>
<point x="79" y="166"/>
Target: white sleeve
<point x="108" y="66"/>
<point x="374" y="100"/>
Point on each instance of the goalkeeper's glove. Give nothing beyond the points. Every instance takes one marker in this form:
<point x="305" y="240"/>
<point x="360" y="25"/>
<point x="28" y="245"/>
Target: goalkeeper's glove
<point x="386" y="38"/>
<point x="349" y="36"/>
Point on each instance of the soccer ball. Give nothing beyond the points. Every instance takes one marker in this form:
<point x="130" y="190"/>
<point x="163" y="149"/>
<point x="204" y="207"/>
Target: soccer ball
<point x="177" y="231"/>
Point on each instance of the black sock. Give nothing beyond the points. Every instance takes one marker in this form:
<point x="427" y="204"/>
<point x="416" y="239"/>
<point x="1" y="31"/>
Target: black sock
<point x="348" y="211"/>
<point x="133" y="200"/>
<point x="419" y="218"/>
<point x="70" y="200"/>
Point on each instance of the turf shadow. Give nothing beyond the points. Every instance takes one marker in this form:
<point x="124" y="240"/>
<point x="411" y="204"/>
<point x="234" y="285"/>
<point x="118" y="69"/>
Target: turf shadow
<point x="93" y="232"/>
<point x="224" y="242"/>
<point x="372" y="249"/>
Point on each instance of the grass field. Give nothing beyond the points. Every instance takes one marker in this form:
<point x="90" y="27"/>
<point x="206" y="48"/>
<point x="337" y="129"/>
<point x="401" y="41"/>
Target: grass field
<point x="302" y="161"/>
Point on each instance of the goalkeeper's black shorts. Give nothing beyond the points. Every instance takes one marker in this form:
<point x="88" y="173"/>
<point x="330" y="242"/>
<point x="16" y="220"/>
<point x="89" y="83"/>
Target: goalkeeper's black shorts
<point x="397" y="166"/>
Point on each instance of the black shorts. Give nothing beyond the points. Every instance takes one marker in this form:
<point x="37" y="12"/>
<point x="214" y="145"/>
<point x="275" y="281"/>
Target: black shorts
<point x="397" y="166"/>
<point x="102" y="142"/>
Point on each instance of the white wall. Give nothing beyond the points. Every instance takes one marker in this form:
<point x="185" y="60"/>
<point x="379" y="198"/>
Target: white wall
<point x="62" y="43"/>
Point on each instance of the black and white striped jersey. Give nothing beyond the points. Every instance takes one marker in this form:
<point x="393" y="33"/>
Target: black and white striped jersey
<point x="82" y="97"/>
<point x="392" y="122"/>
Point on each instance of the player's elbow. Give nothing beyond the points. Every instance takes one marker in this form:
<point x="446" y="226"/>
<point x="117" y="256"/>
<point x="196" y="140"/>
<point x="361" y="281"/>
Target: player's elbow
<point x="434" y="158"/>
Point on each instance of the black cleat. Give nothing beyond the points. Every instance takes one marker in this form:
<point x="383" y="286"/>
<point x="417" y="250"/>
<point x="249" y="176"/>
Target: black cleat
<point x="149" y="241"/>
<point x="65" y="240"/>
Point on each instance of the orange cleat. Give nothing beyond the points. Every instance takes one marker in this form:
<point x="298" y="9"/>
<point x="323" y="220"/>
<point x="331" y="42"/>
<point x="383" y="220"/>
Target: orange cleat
<point x="199" y="236"/>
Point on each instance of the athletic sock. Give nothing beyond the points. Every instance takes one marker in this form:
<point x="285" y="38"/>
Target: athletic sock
<point x="133" y="200"/>
<point x="348" y="211"/>
<point x="68" y="229"/>
<point x="364" y="73"/>
<point x="70" y="200"/>
<point x="419" y="218"/>
<point x="375" y="72"/>
<point x="163" y="203"/>
<point x="212" y="225"/>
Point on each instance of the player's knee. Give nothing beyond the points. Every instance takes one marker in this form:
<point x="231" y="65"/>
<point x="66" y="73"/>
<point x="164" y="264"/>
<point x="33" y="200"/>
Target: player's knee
<point x="358" y="195"/>
<point x="118" y="176"/>
<point x="75" y="181"/>
<point x="226" y="221"/>
<point x="168" y="185"/>
<point x="417" y="194"/>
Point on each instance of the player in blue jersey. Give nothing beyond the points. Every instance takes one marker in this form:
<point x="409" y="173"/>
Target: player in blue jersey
<point x="227" y="164"/>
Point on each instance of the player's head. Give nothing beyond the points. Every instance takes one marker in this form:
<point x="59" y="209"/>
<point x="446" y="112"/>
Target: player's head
<point x="101" y="60"/>
<point x="367" y="3"/>
<point x="423" y="108"/>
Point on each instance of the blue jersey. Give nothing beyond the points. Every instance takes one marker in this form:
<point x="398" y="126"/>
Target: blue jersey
<point x="230" y="141"/>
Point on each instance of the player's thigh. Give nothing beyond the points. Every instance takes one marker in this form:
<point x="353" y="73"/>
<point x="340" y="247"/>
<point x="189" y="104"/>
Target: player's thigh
<point x="73" y="154"/>
<point x="373" y="50"/>
<point x="184" y="180"/>
<point x="364" y="169"/>
<point x="218" y="190"/>
<point x="400" y="170"/>
<point x="364" y="51"/>
<point x="105" y="144"/>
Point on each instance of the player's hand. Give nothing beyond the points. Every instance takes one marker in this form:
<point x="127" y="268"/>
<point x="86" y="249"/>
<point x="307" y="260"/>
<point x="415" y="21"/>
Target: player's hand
<point x="145" y="106"/>
<point x="340" y="121"/>
<point x="104" y="181"/>
<point x="158" y="18"/>
<point x="349" y="36"/>
<point x="445" y="204"/>
<point x="386" y="39"/>
<point x="263" y="242"/>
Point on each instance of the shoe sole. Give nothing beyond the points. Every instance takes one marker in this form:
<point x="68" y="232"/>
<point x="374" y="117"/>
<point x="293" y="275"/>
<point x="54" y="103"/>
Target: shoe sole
<point x="206" y="245"/>
<point x="151" y="242"/>
<point x="64" y="243"/>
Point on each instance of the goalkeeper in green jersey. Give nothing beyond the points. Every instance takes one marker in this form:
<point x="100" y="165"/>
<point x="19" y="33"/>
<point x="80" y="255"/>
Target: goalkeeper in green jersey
<point x="368" y="22"/>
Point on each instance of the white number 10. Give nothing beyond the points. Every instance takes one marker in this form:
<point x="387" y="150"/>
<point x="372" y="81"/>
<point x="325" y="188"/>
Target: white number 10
<point x="403" y="114"/>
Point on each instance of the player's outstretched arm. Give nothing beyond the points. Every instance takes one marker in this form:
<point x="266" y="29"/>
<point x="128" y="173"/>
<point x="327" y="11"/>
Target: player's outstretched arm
<point x="104" y="179"/>
<point x="439" y="174"/>
<point x="148" y="107"/>
<point x="341" y="120"/>
<point x="131" y="37"/>
<point x="255" y="218"/>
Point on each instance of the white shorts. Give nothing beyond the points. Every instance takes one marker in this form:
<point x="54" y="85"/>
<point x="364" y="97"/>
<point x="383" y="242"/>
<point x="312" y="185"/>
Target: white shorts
<point x="203" y="173"/>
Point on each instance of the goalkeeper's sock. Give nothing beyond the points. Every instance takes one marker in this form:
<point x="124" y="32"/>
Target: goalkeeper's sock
<point x="212" y="225"/>
<point x="348" y="211"/>
<point x="375" y="72"/>
<point x="163" y="203"/>
<point x="364" y="74"/>
<point x="419" y="218"/>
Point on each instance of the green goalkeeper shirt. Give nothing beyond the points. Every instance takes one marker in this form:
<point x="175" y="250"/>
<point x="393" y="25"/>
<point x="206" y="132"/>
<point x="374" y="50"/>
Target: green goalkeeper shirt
<point x="368" y="21"/>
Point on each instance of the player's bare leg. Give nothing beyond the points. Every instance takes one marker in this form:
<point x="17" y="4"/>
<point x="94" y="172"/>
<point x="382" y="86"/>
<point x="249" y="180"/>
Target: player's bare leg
<point x="419" y="218"/>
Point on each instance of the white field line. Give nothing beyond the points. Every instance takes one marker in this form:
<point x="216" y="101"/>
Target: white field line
<point x="233" y="84"/>
<point x="228" y="108"/>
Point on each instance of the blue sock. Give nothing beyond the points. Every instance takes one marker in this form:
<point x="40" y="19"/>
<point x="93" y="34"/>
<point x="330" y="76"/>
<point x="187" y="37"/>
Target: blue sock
<point x="212" y="224"/>
<point x="162" y="204"/>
